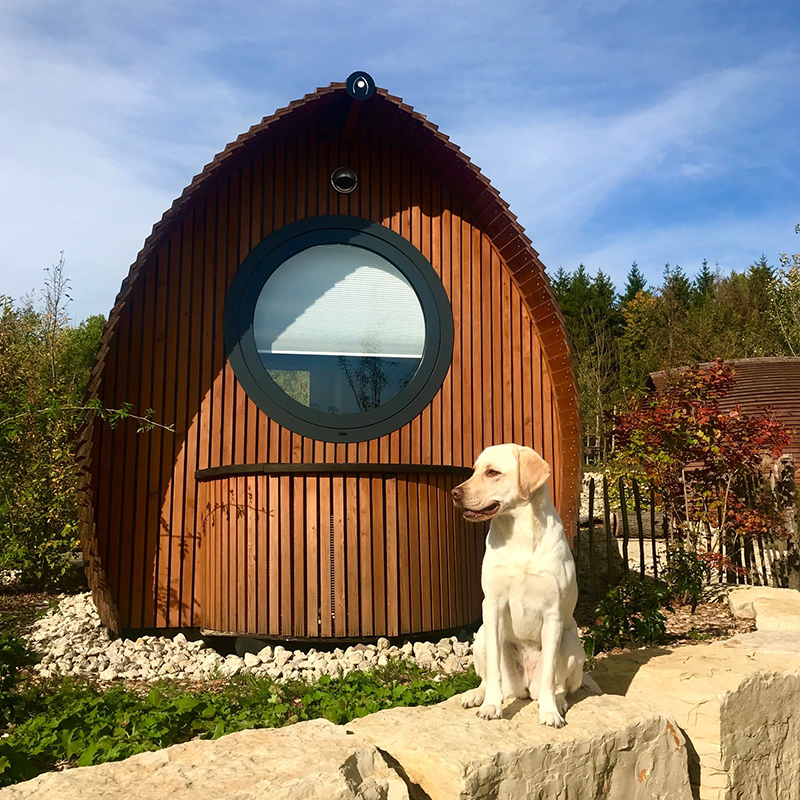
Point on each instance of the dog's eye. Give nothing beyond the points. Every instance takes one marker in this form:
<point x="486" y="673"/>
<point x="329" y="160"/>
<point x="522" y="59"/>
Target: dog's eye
<point x="491" y="473"/>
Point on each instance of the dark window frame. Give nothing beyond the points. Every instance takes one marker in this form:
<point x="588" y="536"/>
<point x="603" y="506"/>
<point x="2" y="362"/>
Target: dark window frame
<point x="245" y="289"/>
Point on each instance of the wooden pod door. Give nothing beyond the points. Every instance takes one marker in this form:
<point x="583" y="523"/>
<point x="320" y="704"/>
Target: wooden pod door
<point x="350" y="555"/>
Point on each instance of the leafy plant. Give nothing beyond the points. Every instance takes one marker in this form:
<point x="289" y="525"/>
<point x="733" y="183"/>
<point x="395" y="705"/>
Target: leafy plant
<point x="659" y="435"/>
<point x="686" y="575"/>
<point x="630" y="614"/>
<point x="13" y="656"/>
<point x="45" y="364"/>
<point x="80" y="724"/>
<point x="785" y="299"/>
<point x="44" y="368"/>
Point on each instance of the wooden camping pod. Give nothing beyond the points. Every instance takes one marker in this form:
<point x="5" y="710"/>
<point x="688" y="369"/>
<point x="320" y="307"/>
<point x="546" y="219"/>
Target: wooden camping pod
<point x="234" y="523"/>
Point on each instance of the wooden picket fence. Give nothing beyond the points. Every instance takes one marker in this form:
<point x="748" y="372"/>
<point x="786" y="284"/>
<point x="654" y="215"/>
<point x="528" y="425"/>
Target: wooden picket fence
<point x="605" y="542"/>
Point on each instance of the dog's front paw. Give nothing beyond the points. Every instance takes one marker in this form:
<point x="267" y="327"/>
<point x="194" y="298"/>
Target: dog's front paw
<point x="551" y="718"/>
<point x="490" y="711"/>
<point x="474" y="697"/>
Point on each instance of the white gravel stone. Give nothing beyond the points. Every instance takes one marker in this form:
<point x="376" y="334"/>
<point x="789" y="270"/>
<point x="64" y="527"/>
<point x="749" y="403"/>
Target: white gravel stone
<point x="70" y="640"/>
<point x="251" y="660"/>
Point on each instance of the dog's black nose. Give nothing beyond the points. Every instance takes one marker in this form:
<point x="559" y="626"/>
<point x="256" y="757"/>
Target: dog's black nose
<point x="457" y="493"/>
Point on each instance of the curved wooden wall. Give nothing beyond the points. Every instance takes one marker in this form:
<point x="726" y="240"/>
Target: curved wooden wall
<point x="145" y="519"/>
<point x="336" y="555"/>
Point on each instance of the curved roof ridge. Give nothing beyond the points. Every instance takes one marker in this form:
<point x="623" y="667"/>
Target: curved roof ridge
<point x="232" y="148"/>
<point x="660" y="375"/>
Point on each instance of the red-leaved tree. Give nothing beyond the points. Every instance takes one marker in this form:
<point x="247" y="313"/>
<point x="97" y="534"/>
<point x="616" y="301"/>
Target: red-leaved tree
<point x="704" y="463"/>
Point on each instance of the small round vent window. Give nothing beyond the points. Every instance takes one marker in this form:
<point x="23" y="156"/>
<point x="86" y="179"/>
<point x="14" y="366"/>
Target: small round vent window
<point x="338" y="329"/>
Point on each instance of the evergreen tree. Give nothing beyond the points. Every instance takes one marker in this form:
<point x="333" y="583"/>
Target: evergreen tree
<point x="703" y="286"/>
<point x="617" y="340"/>
<point x="677" y="287"/>
<point x="760" y="277"/>
<point x="591" y="312"/>
<point x="574" y="294"/>
<point x="560" y="283"/>
<point x="604" y="294"/>
<point x="634" y="284"/>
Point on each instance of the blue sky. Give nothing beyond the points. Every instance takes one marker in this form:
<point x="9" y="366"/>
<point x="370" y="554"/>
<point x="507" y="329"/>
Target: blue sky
<point x="616" y="131"/>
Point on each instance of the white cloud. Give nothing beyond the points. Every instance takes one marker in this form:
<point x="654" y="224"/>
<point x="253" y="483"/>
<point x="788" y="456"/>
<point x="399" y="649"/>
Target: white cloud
<point x="556" y="171"/>
<point x="696" y="170"/>
<point x="110" y="108"/>
<point x="94" y="150"/>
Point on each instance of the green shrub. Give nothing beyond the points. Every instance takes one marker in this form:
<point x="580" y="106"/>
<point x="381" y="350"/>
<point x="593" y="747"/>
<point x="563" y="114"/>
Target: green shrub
<point x="13" y="656"/>
<point x="80" y="724"/>
<point x="686" y="575"/>
<point x="45" y="363"/>
<point x="630" y="614"/>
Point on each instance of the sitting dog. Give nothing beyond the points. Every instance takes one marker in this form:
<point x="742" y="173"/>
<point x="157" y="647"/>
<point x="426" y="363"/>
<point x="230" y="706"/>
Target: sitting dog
<point x="528" y="644"/>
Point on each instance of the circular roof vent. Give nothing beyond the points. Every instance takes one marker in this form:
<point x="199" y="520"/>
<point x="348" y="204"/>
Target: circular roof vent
<point x="344" y="180"/>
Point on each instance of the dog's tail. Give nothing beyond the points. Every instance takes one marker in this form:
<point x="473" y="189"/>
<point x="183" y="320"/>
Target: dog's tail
<point x="589" y="683"/>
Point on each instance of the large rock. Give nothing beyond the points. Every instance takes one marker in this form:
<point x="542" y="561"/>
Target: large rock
<point x="733" y="700"/>
<point x="310" y="761"/>
<point x="760" y="737"/>
<point x="772" y="609"/>
<point x="738" y="703"/>
<point x="611" y="749"/>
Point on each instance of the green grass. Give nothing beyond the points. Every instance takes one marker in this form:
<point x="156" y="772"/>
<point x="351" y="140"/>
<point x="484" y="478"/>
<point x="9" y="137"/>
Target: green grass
<point x="699" y="636"/>
<point x="67" y="721"/>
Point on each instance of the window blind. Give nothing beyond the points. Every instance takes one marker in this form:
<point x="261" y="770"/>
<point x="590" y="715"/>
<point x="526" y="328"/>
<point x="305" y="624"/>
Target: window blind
<point x="342" y="300"/>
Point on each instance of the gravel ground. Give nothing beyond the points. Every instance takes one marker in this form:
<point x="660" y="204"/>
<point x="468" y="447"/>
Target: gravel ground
<point x="71" y="640"/>
<point x="66" y="633"/>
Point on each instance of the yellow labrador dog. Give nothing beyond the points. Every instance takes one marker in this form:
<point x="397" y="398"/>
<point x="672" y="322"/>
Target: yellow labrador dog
<point x="528" y="644"/>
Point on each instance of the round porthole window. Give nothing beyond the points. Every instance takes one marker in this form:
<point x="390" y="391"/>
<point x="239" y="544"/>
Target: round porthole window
<point x="338" y="328"/>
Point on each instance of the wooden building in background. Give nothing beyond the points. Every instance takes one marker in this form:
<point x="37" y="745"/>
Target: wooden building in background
<point x="336" y="316"/>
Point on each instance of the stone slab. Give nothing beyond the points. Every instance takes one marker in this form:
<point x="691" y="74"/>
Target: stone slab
<point x="699" y="685"/>
<point x="314" y="760"/>
<point x="611" y="748"/>
<point x="772" y="609"/>
<point x="760" y="737"/>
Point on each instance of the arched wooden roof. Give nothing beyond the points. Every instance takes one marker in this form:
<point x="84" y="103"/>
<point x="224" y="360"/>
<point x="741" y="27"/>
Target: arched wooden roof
<point x="413" y="132"/>
<point x="455" y="169"/>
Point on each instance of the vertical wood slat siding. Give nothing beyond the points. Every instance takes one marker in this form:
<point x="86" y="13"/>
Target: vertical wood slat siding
<point x="228" y="507"/>
<point x="148" y="511"/>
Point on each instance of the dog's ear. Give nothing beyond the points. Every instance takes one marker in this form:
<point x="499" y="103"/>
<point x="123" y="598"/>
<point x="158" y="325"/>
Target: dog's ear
<point x="532" y="470"/>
